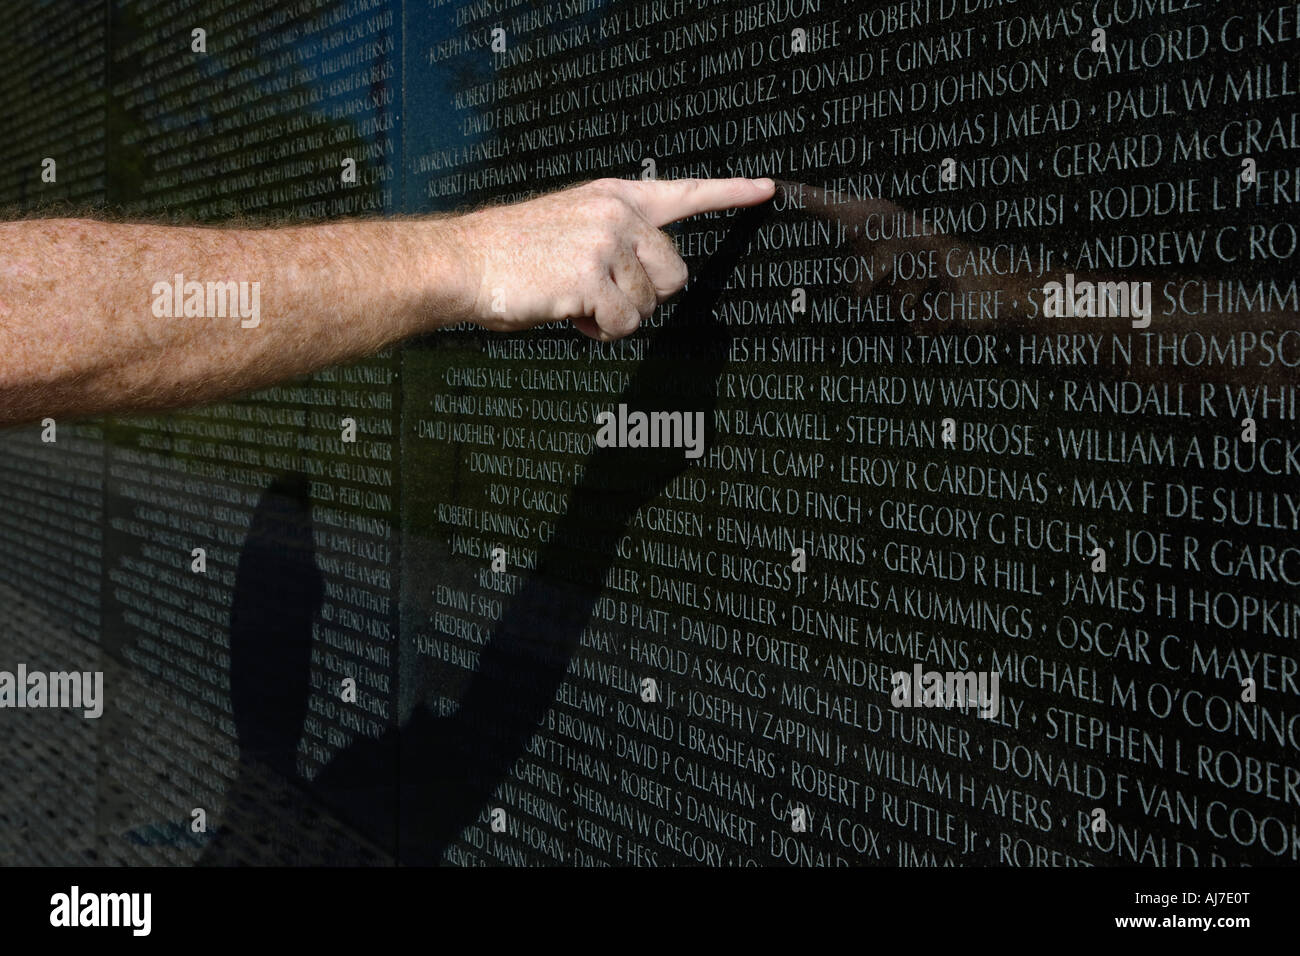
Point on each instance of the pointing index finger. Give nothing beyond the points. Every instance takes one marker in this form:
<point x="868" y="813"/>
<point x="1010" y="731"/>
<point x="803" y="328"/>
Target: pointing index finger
<point x="674" y="199"/>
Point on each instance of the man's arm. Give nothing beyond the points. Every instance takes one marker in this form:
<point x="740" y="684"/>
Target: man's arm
<point x="93" y="317"/>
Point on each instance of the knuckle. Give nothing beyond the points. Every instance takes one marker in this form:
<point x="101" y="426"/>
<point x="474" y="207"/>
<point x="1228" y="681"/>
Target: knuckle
<point x="604" y="212"/>
<point x="629" y="321"/>
<point x="613" y="211"/>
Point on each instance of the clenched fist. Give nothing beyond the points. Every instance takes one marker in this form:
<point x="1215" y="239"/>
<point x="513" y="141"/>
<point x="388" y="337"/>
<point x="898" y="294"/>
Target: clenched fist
<point x="595" y="254"/>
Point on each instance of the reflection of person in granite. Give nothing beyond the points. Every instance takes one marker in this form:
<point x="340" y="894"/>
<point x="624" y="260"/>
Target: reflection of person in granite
<point x="429" y="779"/>
<point x="278" y="592"/>
<point x="98" y="317"/>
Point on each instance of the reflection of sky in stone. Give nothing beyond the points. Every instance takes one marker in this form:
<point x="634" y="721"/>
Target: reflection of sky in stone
<point x="433" y="122"/>
<point x="425" y="90"/>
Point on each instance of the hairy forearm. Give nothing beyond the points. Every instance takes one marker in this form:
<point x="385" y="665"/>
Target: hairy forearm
<point x="98" y="317"/>
<point x="89" y="320"/>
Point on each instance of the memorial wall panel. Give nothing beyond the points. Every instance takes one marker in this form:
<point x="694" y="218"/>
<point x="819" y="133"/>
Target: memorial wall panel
<point x="947" y="517"/>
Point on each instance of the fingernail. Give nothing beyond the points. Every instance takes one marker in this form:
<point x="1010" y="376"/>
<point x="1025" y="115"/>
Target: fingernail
<point x="765" y="183"/>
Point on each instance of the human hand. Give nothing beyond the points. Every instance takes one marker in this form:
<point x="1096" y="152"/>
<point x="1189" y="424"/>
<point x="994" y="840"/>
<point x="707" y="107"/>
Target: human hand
<point x="593" y="253"/>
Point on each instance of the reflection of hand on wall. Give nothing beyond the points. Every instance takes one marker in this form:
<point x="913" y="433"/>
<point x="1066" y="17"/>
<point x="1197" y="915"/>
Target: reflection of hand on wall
<point x="906" y="237"/>
<point x="1177" y="305"/>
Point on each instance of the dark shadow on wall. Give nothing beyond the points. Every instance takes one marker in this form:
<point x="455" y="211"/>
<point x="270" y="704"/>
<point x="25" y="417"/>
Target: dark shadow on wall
<point x="450" y="766"/>
<point x="278" y="593"/>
